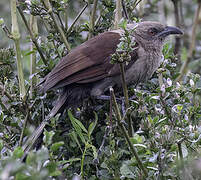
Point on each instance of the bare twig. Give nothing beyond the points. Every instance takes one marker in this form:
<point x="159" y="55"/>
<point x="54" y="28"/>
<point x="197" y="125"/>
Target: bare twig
<point x="34" y="29"/>
<point x="16" y="38"/>
<point x="60" y="20"/>
<point x="32" y="36"/>
<point x="124" y="9"/>
<point x="136" y="3"/>
<point x="125" y="91"/>
<point x="92" y="20"/>
<point x="124" y="131"/>
<point x="47" y="5"/>
<point x="118" y="14"/>
<point x="77" y="17"/>
<point x="177" y="47"/>
<point x="24" y="127"/>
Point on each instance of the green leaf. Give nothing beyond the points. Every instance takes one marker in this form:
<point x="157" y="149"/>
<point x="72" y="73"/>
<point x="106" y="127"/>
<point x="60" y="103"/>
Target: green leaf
<point x="48" y="137"/>
<point x="74" y="136"/>
<point x="140" y="145"/>
<point x="18" y="152"/>
<point x="92" y="126"/>
<point x="94" y="150"/>
<point x="76" y="121"/>
<point x="56" y="146"/>
<point x="21" y="176"/>
<point x="77" y="126"/>
<point x="52" y="168"/>
<point x="123" y="24"/>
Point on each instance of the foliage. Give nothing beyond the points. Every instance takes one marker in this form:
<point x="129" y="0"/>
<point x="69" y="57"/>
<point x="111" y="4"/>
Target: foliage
<point x="84" y="144"/>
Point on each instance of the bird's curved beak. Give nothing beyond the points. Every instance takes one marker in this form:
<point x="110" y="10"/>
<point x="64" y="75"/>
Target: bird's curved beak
<point x="170" y="30"/>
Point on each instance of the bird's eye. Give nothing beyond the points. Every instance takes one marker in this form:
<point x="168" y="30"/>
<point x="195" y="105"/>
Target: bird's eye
<point x="152" y="31"/>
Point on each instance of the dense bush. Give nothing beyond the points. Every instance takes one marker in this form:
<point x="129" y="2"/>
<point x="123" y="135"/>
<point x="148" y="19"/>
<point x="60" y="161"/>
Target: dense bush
<point x="87" y="142"/>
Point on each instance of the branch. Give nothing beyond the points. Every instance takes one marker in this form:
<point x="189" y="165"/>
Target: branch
<point x="118" y="14"/>
<point x="32" y="36"/>
<point x="47" y="5"/>
<point x="124" y="131"/>
<point x="92" y="20"/>
<point x="16" y="37"/>
<point x="177" y="46"/>
<point x="34" y="29"/>
<point x="77" y="17"/>
<point x="24" y="127"/>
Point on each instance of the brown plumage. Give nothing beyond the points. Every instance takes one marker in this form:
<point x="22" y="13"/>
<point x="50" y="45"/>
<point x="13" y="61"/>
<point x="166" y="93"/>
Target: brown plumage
<point x="87" y="71"/>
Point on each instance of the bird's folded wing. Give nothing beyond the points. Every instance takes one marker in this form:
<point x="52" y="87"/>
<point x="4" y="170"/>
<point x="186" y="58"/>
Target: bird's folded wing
<point x="86" y="63"/>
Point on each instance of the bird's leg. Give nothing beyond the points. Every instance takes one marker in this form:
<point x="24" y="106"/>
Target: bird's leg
<point x="105" y="97"/>
<point x="108" y="98"/>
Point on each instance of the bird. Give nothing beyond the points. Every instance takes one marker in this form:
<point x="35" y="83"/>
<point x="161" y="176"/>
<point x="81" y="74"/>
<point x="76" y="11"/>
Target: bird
<point x="87" y="70"/>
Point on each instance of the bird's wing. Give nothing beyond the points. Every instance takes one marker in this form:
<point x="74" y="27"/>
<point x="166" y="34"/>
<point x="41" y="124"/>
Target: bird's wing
<point x="86" y="63"/>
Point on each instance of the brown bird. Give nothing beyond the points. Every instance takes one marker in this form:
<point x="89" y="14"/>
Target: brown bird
<point x="87" y="72"/>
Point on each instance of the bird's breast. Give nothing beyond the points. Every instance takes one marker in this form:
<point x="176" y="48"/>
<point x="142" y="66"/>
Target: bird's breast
<point x="144" y="67"/>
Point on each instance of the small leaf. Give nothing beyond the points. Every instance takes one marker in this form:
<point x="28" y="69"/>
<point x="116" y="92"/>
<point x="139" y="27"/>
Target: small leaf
<point x="56" y="146"/>
<point x="18" y="152"/>
<point x="48" y="137"/>
<point x="192" y="84"/>
<point x="76" y="121"/>
<point x="92" y="126"/>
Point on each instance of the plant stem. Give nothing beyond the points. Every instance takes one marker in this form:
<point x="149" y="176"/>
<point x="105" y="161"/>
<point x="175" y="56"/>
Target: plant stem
<point x="32" y="36"/>
<point x="16" y="37"/>
<point x="34" y="29"/>
<point x="180" y="150"/>
<point x="24" y="127"/>
<point x="124" y="131"/>
<point x="177" y="47"/>
<point x="82" y="161"/>
<point x="125" y="91"/>
<point x="47" y="5"/>
<point x="92" y="20"/>
<point x="118" y="14"/>
<point x="124" y="9"/>
<point x="77" y="17"/>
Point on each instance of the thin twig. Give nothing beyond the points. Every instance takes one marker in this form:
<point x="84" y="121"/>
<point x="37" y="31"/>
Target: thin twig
<point x="59" y="17"/>
<point x="124" y="9"/>
<point x="124" y="131"/>
<point x="125" y="91"/>
<point x="24" y="127"/>
<point x="180" y="149"/>
<point x="136" y="3"/>
<point x="118" y="14"/>
<point x="16" y="38"/>
<point x="177" y="47"/>
<point x="33" y="80"/>
<point x="48" y="6"/>
<point x="32" y="36"/>
<point x="77" y="17"/>
<point x="92" y="20"/>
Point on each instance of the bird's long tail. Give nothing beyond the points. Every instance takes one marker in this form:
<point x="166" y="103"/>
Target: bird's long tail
<point x="34" y="137"/>
<point x="31" y="141"/>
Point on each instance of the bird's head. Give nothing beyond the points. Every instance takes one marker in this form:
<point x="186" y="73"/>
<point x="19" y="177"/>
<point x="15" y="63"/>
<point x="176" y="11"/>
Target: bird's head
<point x="153" y="33"/>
